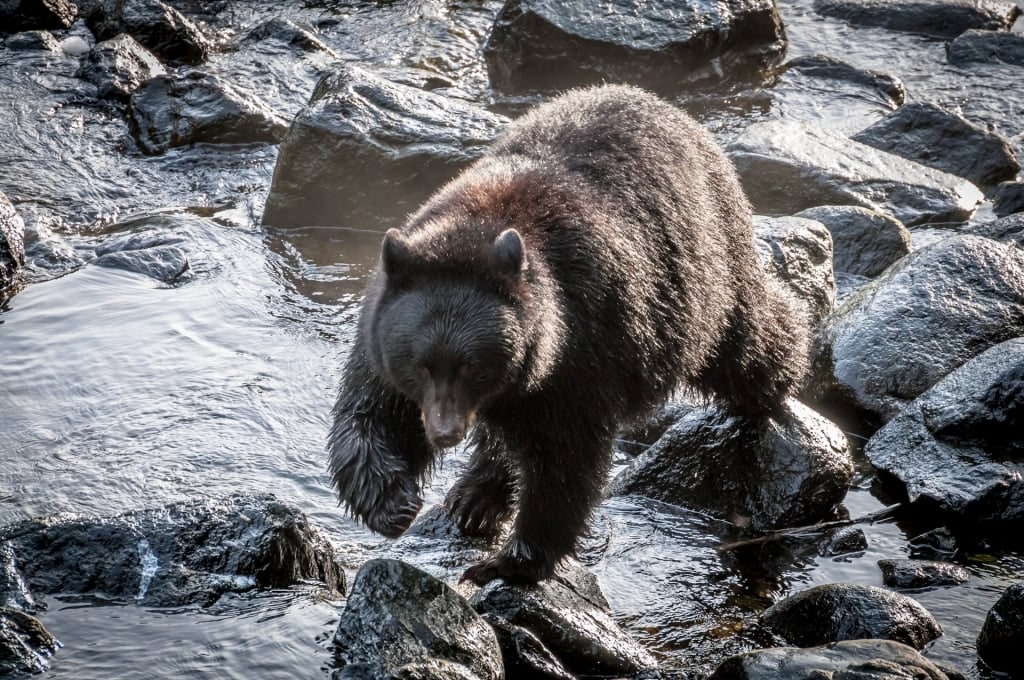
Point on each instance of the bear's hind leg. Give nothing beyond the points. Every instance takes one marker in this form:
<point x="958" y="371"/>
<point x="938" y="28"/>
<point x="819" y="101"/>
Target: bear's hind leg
<point x="484" y="496"/>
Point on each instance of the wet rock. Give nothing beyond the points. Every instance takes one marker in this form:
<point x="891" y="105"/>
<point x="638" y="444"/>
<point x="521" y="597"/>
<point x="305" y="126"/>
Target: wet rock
<point x="977" y="46"/>
<point x="937" y="18"/>
<point x="850" y="611"/>
<point x="847" y="660"/>
<point x="921" y="573"/>
<point x="1002" y="634"/>
<point x="926" y="315"/>
<point x="155" y="255"/>
<point x="172" y="111"/>
<point x="398" y="615"/>
<point x="27" y="15"/>
<point x="12" y="243"/>
<point x="158" y="26"/>
<point x="932" y="136"/>
<point x="957" y="448"/>
<point x="935" y="544"/>
<point x="287" y="32"/>
<point x="795" y="470"/>
<point x="864" y="242"/>
<point x="190" y="552"/>
<point x="366" y="151"/>
<point x="118" y="66"/>
<point x="32" y="40"/>
<point x="1009" y="230"/>
<point x="570" y="616"/>
<point x="25" y="645"/>
<point x="523" y="654"/>
<point x="842" y="541"/>
<point x="1008" y="199"/>
<point x="799" y="253"/>
<point x="787" y="167"/>
<point x="542" y="45"/>
<point x="14" y="593"/>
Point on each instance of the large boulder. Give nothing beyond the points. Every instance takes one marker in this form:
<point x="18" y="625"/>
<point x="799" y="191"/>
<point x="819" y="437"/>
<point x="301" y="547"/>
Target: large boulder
<point x="936" y="18"/>
<point x="798" y="252"/>
<point x="25" y="645"/>
<point x="155" y="24"/>
<point x="544" y="45"/>
<point x="25" y="15"/>
<point x="864" y="242"/>
<point x="795" y="468"/>
<point x="925" y="316"/>
<point x="977" y="46"/>
<point x="958" y="447"/>
<point x="12" y="243"/>
<point x="118" y="66"/>
<point x="1002" y="635"/>
<point x="787" y="167"/>
<point x="398" y="621"/>
<point x="366" y="152"/>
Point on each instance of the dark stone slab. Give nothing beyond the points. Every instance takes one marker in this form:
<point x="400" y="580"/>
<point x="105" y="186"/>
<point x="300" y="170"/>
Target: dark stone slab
<point x="937" y="18"/>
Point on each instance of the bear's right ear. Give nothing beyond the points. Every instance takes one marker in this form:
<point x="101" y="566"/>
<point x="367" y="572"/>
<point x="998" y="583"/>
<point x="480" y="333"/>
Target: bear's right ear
<point x="394" y="254"/>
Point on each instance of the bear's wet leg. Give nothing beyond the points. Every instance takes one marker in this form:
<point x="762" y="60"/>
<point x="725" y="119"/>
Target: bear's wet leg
<point x="484" y="496"/>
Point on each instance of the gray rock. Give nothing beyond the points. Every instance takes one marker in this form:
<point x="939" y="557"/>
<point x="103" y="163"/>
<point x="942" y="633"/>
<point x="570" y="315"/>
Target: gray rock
<point x="850" y="611"/>
<point x="523" y="654"/>
<point x="1002" y="634"/>
<point x="183" y="553"/>
<point x="172" y="111"/>
<point x="26" y="15"/>
<point x="977" y="46"/>
<point x="932" y="136"/>
<point x="907" y="574"/>
<point x="798" y="252"/>
<point x="842" y="541"/>
<point x="936" y="18"/>
<point x="1008" y="199"/>
<point x="286" y="32"/>
<point x="158" y="26"/>
<point x="32" y="40"/>
<point x="795" y="471"/>
<point x="787" y="167"/>
<point x="864" y="242"/>
<point x="118" y="66"/>
<point x="12" y="243"/>
<point x="397" y="615"/>
<point x="25" y="645"/>
<point x="570" y="616"/>
<point x="544" y="45"/>
<point x="957" y="447"/>
<point x="366" y="151"/>
<point x="925" y="316"/>
<point x="1009" y="230"/>
<point x="163" y="263"/>
<point x="848" y="660"/>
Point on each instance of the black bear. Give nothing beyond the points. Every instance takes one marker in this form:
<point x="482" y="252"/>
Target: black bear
<point x="597" y="258"/>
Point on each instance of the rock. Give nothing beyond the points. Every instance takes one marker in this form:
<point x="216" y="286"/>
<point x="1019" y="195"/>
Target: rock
<point x="26" y="15"/>
<point x="183" y="553"/>
<point x="570" y="616"/>
<point x="935" y="544"/>
<point x="787" y="167"/>
<point x="288" y="33"/>
<point x="850" y="611"/>
<point x="158" y="26"/>
<point x="1009" y="230"/>
<point x="976" y="46"/>
<point x="793" y="473"/>
<point x="1002" y="634"/>
<point x="365" y="151"/>
<point x="12" y="244"/>
<point x="1008" y="199"/>
<point x="842" y="541"/>
<point x="25" y="645"/>
<point x="523" y="654"/>
<point x="932" y="136"/>
<point x="864" y="242"/>
<point x="543" y="45"/>
<point x="957" y="447"/>
<point x="936" y="18"/>
<point x="798" y="252"/>
<point x="926" y="315"/>
<point x="118" y="66"/>
<point x="14" y="593"/>
<point x="32" y="40"/>
<point x="921" y="573"/>
<point x="848" y="660"/>
<point x="398" y="615"/>
<point x="158" y="259"/>
<point x="172" y="111"/>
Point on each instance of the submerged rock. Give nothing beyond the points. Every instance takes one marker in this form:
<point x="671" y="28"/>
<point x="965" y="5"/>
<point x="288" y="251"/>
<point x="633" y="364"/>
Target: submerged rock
<point x="400" y="617"/>
<point x="850" y="611"/>
<point x="976" y="46"/>
<point x="155" y="24"/>
<point x="921" y="573"/>
<point x="798" y="252"/>
<point x="542" y="45"/>
<point x="32" y="40"/>
<point x="848" y="660"/>
<point x="958" y="447"/>
<point x="1009" y="230"/>
<point x="925" y="316"/>
<point x="25" y="644"/>
<point x="26" y="15"/>
<point x="172" y="111"/>
<point x="932" y="136"/>
<point x="569" y="615"/>
<point x="864" y="242"/>
<point x="937" y="18"/>
<point x="156" y="255"/>
<point x="287" y="32"/>
<point x="795" y="470"/>
<point x="118" y="66"/>
<point x="366" y="151"/>
<point x="787" y="167"/>
<point x="1008" y="199"/>
<point x="12" y="243"/>
<point x="183" y="553"/>
<point x="1002" y="634"/>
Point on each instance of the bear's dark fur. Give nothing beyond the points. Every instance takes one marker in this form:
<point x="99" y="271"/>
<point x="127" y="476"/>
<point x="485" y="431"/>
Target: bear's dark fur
<point x="597" y="258"/>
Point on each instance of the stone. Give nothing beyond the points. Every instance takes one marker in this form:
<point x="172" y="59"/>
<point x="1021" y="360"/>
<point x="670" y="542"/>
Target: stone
<point x="12" y="244"/>
<point x="788" y="166"/>
<point x="118" y="66"/>
<point x="907" y="574"/>
<point x="864" y="242"/>
<point x="32" y="40"/>
<point x="1009" y="230"/>
<point x="1008" y="199"/>
<point x="523" y="654"/>
<point x="935" y="18"/>
<point x="161" y="28"/>
<point x="25" y="644"/>
<point x="798" y="252"/>
<point x="27" y="15"/>
<point x="1002" y="634"/>
<point x="978" y="46"/>
<point x="286" y="32"/>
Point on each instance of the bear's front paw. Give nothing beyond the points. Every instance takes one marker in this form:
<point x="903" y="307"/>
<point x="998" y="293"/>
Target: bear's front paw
<point x="512" y="566"/>
<point x="394" y="512"/>
<point x="478" y="509"/>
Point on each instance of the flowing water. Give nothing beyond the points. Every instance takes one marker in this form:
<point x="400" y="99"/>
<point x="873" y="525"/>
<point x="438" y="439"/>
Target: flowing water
<point x="118" y="392"/>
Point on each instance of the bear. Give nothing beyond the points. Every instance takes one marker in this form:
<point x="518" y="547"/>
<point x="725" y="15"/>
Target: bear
<point x="598" y="258"/>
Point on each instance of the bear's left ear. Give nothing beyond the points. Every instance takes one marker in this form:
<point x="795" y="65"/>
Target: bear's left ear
<point x="509" y="254"/>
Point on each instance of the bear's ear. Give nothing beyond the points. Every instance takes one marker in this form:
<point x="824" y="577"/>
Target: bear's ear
<point x="394" y="253"/>
<point x="509" y="254"/>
